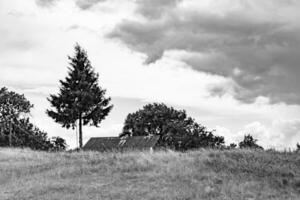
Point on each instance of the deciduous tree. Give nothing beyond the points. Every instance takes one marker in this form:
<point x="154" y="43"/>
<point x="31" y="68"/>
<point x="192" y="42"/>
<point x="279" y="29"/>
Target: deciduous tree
<point x="13" y="105"/>
<point x="175" y="128"/>
<point x="58" y="144"/>
<point x="15" y="127"/>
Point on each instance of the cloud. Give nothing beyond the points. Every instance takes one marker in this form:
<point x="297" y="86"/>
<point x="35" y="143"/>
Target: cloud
<point x="45" y="3"/>
<point x="87" y="4"/>
<point x="154" y="9"/>
<point x="259" y="132"/>
<point x="249" y="42"/>
<point x="289" y="129"/>
<point x="280" y="134"/>
<point x="82" y="4"/>
<point x="226" y="133"/>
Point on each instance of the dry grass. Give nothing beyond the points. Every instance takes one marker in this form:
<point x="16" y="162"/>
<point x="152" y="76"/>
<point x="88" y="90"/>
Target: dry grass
<point x="206" y="174"/>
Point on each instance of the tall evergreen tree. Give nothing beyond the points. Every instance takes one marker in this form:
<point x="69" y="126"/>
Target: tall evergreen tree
<point x="80" y="97"/>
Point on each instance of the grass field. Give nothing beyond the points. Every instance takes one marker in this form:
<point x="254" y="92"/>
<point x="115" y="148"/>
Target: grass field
<point x="203" y="174"/>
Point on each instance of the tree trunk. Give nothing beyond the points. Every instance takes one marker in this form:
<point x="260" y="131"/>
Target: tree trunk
<point x="80" y="131"/>
<point x="10" y="132"/>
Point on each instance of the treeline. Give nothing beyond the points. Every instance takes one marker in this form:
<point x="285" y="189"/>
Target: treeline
<point x="16" y="130"/>
<point x="176" y="130"/>
<point x="81" y="101"/>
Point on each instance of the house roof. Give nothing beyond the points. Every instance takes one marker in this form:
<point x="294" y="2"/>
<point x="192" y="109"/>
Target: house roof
<point x="116" y="143"/>
<point x="102" y="143"/>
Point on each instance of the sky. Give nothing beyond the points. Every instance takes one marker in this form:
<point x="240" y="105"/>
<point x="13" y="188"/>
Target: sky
<point x="233" y="65"/>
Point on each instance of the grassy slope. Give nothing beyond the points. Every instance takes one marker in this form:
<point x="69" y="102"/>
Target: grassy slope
<point x="237" y="175"/>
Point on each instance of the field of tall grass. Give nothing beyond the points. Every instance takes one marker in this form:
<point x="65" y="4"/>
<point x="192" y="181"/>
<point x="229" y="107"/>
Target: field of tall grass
<point x="203" y="174"/>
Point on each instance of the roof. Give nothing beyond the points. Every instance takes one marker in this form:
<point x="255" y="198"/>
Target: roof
<point x="102" y="143"/>
<point x="116" y="143"/>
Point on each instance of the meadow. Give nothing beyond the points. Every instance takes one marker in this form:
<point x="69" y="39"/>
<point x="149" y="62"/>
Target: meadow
<point x="202" y="174"/>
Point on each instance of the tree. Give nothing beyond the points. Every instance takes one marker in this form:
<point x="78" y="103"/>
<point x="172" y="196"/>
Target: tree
<point x="58" y="144"/>
<point x="25" y="134"/>
<point x="175" y="128"/>
<point x="12" y="105"/>
<point x="249" y="142"/>
<point x="232" y="146"/>
<point x="80" y="98"/>
<point x="15" y="128"/>
<point x="298" y="147"/>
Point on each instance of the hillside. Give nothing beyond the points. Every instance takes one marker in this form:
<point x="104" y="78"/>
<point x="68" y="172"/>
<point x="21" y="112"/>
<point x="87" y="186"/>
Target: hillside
<point x="202" y="174"/>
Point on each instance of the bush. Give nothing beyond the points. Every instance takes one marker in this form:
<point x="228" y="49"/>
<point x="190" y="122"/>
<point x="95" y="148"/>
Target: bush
<point x="249" y="142"/>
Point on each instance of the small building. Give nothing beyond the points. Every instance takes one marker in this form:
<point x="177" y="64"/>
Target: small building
<point x="119" y="144"/>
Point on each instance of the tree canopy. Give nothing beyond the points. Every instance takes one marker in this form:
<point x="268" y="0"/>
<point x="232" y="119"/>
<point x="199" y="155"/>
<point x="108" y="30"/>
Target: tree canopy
<point x="249" y="142"/>
<point x="58" y="144"/>
<point x="298" y="147"/>
<point x="175" y="128"/>
<point x="13" y="105"/>
<point x="15" y="127"/>
<point x="80" y="98"/>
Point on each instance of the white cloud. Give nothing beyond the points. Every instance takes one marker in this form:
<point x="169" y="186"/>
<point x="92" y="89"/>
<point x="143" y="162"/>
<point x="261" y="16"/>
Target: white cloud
<point x="259" y="132"/>
<point x="227" y="134"/>
<point x="280" y="134"/>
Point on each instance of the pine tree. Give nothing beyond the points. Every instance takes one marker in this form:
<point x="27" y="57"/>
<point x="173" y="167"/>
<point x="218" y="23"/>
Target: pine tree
<point x="80" y="97"/>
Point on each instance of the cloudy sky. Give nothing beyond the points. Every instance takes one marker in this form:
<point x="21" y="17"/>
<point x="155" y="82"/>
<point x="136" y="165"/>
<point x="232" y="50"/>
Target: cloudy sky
<point x="233" y="65"/>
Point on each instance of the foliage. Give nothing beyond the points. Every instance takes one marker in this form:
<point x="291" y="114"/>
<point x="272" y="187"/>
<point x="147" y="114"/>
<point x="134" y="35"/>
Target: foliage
<point x="80" y="97"/>
<point x="232" y="146"/>
<point x="249" y="142"/>
<point x="25" y="134"/>
<point x="12" y="105"/>
<point x="177" y="130"/>
<point x="298" y="147"/>
<point x="13" y="110"/>
<point x="58" y="144"/>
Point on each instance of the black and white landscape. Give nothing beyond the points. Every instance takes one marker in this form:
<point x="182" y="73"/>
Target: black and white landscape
<point x="149" y="99"/>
